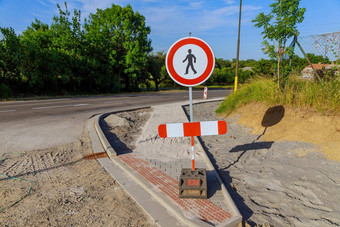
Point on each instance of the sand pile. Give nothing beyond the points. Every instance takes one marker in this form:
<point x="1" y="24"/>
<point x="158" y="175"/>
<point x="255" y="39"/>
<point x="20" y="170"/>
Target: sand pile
<point x="279" y="123"/>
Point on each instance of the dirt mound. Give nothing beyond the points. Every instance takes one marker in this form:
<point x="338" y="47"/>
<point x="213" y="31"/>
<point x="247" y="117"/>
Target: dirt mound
<point x="280" y="123"/>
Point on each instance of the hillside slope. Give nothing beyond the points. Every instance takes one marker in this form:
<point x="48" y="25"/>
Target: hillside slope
<point x="278" y="123"/>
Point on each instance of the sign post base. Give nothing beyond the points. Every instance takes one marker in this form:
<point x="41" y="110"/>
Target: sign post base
<point x="193" y="184"/>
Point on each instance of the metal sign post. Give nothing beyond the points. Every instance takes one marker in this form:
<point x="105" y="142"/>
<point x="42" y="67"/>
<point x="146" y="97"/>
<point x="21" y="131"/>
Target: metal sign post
<point x="192" y="138"/>
<point x="190" y="61"/>
<point x="193" y="182"/>
<point x="190" y="105"/>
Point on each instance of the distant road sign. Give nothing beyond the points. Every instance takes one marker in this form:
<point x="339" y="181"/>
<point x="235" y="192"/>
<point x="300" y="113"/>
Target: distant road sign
<point x="205" y="93"/>
<point x="190" y="61"/>
<point x="204" y="128"/>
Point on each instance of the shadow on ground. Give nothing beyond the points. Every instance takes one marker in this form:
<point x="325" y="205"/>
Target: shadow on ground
<point x="272" y="117"/>
<point x="41" y="170"/>
<point x="119" y="147"/>
<point x="245" y="211"/>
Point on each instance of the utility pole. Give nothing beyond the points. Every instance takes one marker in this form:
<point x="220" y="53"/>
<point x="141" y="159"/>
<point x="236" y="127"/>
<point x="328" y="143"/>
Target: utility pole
<point x="238" y="46"/>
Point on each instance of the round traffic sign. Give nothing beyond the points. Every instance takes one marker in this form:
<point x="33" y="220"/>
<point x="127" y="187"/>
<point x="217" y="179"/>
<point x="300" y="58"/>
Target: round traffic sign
<point x="190" y="61"/>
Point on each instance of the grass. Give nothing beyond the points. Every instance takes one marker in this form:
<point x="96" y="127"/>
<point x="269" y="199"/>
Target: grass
<point x="324" y="97"/>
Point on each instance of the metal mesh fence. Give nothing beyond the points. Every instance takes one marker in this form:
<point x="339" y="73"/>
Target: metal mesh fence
<point x="326" y="45"/>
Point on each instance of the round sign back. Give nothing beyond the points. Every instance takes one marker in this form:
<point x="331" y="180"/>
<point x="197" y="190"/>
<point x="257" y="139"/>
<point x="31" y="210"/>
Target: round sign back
<point x="190" y="61"/>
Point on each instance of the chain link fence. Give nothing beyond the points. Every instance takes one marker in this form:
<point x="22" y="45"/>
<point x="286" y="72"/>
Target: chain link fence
<point x="326" y="45"/>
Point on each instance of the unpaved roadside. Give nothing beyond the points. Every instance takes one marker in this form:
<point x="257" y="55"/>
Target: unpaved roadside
<point x="270" y="182"/>
<point x="68" y="190"/>
<point x="285" y="183"/>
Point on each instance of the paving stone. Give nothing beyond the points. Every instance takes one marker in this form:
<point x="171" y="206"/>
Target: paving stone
<point x="205" y="209"/>
<point x="161" y="166"/>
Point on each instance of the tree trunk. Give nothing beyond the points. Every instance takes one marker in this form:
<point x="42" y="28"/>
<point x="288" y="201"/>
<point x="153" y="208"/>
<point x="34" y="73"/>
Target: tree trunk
<point x="156" y="84"/>
<point x="278" y="70"/>
<point x="337" y="66"/>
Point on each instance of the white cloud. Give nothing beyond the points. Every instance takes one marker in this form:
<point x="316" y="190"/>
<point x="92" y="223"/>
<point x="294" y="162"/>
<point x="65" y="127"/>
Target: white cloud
<point x="230" y="2"/>
<point x="181" y="20"/>
<point x="148" y="1"/>
<point x="226" y="11"/>
<point x="91" y="6"/>
<point x="171" y="19"/>
<point x="249" y="8"/>
<point x="86" y="6"/>
<point x="165" y="19"/>
<point x="44" y="3"/>
<point x="196" y="5"/>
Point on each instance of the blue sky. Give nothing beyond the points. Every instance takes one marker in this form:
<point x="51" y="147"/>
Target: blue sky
<point x="214" y="21"/>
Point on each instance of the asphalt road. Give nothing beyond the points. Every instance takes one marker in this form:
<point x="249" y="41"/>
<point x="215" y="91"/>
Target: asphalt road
<point x="39" y="124"/>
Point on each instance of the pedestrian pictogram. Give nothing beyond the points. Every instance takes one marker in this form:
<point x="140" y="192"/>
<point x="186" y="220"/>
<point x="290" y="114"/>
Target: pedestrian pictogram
<point x="190" y="61"/>
<point x="190" y="57"/>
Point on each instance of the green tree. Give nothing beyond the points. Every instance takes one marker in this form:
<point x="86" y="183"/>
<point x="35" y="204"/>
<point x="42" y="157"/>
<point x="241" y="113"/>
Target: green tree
<point x="264" y="67"/>
<point x="10" y="61"/>
<point x="244" y="75"/>
<point x="118" y="46"/>
<point x="315" y="59"/>
<point x="53" y="54"/>
<point x="278" y="26"/>
<point x="68" y="44"/>
<point x="156" y="68"/>
<point x="220" y="63"/>
<point x="298" y="64"/>
<point x="105" y="53"/>
<point x="40" y="61"/>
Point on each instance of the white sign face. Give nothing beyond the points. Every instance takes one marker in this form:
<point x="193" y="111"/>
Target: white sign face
<point x="190" y="61"/>
<point x="199" y="65"/>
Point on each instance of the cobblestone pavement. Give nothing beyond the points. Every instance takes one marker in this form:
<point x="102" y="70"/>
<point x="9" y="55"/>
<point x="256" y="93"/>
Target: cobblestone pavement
<point x="160" y="161"/>
<point x="269" y="183"/>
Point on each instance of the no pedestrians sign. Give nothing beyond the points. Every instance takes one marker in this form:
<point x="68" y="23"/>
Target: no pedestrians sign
<point x="190" y="61"/>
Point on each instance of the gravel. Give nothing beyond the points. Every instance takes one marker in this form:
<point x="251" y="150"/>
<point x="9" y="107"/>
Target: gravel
<point x="269" y="181"/>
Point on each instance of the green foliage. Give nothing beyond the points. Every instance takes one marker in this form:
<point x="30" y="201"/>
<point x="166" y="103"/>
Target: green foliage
<point x="38" y="60"/>
<point x="106" y="53"/>
<point x="5" y="91"/>
<point x="156" y="68"/>
<point x="299" y="93"/>
<point x="220" y="63"/>
<point x="117" y="38"/>
<point x="315" y="59"/>
<point x="10" y="58"/>
<point x="256" y="90"/>
<point x="264" y="67"/>
<point x="109" y="52"/>
<point x="278" y="26"/>
<point x="225" y="71"/>
<point x="222" y="76"/>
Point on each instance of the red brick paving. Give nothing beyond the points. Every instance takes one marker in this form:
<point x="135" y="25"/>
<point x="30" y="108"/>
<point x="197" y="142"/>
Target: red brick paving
<point x="204" y="209"/>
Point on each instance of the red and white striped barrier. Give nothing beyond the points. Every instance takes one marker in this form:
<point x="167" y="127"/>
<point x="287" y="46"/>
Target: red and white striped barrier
<point x="204" y="128"/>
<point x="205" y="93"/>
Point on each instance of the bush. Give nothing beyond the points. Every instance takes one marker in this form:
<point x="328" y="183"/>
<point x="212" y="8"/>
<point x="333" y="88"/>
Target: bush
<point x="5" y="91"/>
<point x="324" y="97"/>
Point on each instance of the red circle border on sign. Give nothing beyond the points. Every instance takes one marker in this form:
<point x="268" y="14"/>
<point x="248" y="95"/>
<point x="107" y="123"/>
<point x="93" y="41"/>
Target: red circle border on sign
<point x="205" y="75"/>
